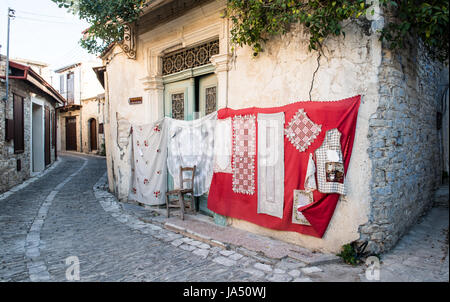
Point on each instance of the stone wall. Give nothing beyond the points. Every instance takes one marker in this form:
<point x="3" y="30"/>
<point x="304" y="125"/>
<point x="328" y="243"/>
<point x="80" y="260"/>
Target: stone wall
<point x="9" y="176"/>
<point x="404" y="144"/>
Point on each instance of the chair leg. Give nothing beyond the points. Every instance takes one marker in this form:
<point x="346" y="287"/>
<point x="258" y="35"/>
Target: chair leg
<point x="167" y="205"/>
<point x="181" y="200"/>
<point x="194" y="209"/>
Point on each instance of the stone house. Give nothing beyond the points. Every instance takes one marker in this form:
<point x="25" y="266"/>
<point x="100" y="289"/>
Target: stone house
<point x="81" y="120"/>
<point x="396" y="160"/>
<point x="27" y="128"/>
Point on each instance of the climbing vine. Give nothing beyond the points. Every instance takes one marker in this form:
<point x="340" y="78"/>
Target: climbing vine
<point x="254" y="22"/>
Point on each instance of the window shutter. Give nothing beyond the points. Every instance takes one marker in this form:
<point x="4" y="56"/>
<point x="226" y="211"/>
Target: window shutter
<point x="19" y="143"/>
<point x="100" y="128"/>
<point x="70" y="87"/>
<point x="61" y="83"/>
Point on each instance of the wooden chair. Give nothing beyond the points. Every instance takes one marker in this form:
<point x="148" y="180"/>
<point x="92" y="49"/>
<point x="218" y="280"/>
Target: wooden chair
<point x="180" y="201"/>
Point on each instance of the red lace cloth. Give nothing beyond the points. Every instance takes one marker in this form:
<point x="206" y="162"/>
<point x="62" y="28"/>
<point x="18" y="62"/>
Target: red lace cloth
<point x="335" y="114"/>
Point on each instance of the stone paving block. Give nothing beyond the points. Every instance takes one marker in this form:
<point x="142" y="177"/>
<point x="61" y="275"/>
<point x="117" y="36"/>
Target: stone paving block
<point x="311" y="270"/>
<point x="226" y="253"/>
<point x="187" y="247"/>
<point x="224" y="261"/>
<point x="201" y="252"/>
<point x="263" y="267"/>
<point x="235" y="256"/>
<point x="295" y="273"/>
<point x="255" y="272"/>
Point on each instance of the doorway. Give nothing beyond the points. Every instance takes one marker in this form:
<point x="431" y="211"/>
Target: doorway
<point x="37" y="138"/>
<point x="191" y="99"/>
<point x="93" y="134"/>
<point x="71" y="133"/>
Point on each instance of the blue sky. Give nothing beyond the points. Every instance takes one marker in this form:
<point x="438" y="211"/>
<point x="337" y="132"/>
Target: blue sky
<point x="43" y="32"/>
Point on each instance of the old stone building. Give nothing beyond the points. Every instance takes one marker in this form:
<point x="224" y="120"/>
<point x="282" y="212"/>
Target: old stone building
<point x="81" y="120"/>
<point x="28" y="128"/>
<point x="396" y="160"/>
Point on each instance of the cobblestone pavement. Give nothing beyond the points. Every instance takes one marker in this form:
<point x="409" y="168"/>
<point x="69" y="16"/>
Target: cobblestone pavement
<point x="67" y="212"/>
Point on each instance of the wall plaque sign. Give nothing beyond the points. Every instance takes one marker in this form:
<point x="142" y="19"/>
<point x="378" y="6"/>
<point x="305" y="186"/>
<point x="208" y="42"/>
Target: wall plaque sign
<point x="134" y="101"/>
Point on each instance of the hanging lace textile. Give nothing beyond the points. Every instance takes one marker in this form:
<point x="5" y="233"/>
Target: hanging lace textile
<point x="271" y="164"/>
<point x="191" y="143"/>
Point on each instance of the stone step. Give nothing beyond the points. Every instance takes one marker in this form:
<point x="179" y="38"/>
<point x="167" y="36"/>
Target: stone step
<point x="263" y="249"/>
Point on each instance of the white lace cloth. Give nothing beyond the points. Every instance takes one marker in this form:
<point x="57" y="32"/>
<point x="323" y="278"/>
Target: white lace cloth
<point x="223" y="146"/>
<point x="149" y="169"/>
<point x="271" y="164"/>
<point x="191" y="143"/>
<point x="310" y="179"/>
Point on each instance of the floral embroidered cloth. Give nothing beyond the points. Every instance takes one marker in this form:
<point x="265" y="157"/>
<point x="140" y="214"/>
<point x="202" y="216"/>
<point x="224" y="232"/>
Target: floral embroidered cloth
<point x="191" y="143"/>
<point x="244" y="151"/>
<point x="149" y="169"/>
<point x="341" y="115"/>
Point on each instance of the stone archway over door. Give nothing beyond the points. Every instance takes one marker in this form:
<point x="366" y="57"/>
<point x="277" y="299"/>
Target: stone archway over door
<point x="93" y="134"/>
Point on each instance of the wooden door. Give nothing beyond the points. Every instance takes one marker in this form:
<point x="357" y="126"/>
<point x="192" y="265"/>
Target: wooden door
<point x="207" y="94"/>
<point x="93" y="134"/>
<point x="47" y="136"/>
<point x="71" y="133"/>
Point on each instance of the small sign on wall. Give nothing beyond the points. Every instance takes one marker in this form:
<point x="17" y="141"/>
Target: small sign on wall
<point x="135" y="101"/>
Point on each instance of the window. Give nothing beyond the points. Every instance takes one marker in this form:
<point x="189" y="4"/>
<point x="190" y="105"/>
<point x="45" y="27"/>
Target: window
<point x="70" y="87"/>
<point x="19" y="142"/>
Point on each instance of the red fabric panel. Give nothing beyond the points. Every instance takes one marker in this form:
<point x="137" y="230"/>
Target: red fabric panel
<point x="336" y="114"/>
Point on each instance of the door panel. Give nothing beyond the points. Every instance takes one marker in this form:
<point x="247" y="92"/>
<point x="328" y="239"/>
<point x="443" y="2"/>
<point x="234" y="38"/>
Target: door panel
<point x="71" y="133"/>
<point x="93" y="134"/>
<point x="179" y="99"/>
<point x="207" y="94"/>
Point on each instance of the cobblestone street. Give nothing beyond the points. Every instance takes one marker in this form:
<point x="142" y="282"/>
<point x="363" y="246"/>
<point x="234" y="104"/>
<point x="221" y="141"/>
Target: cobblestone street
<point x="66" y="212"/>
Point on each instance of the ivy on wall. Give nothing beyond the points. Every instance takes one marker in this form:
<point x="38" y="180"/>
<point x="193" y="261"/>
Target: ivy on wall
<point x="254" y="22"/>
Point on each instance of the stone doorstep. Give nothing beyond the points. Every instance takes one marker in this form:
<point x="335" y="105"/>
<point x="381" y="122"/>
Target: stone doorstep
<point x="263" y="251"/>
